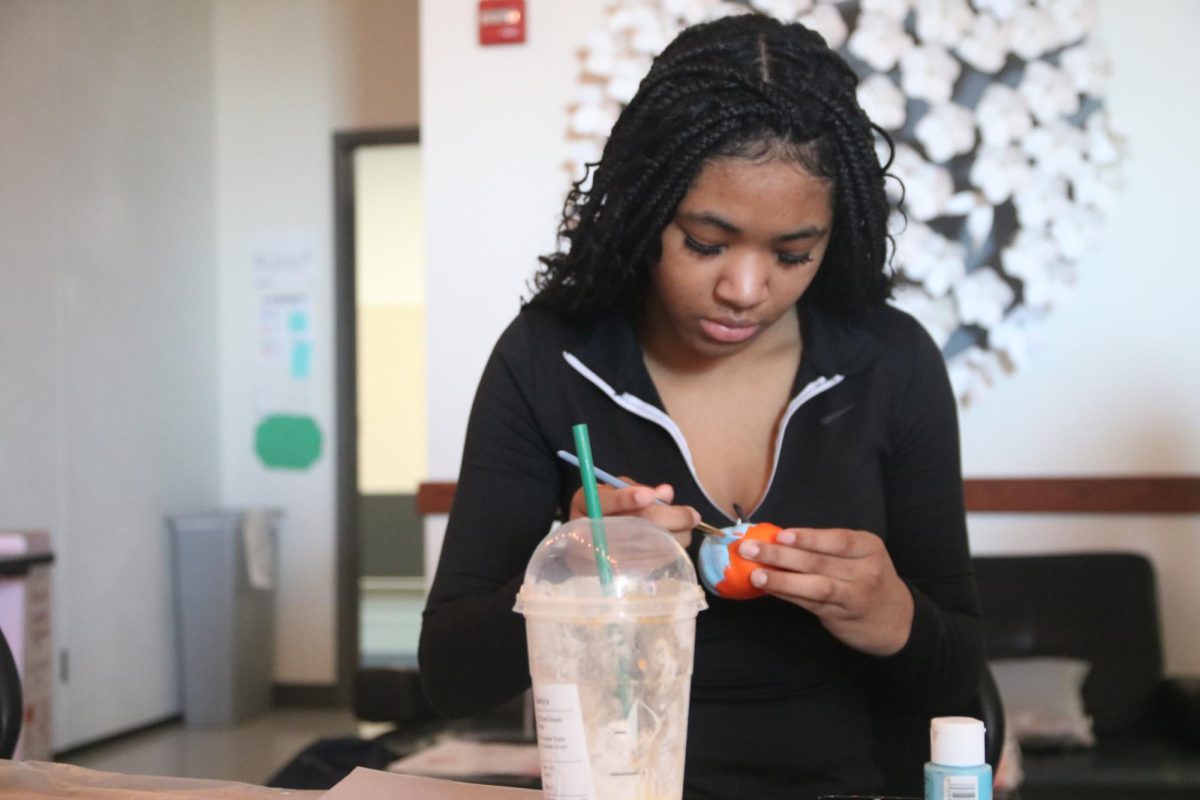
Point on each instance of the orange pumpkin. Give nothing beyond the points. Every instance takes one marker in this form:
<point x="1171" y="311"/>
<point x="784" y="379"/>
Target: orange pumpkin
<point x="735" y="584"/>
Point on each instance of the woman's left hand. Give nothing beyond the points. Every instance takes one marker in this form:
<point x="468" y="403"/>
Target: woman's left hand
<point x="845" y="577"/>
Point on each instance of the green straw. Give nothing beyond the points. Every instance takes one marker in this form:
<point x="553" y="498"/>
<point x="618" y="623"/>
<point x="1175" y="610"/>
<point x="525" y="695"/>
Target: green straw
<point x="587" y="471"/>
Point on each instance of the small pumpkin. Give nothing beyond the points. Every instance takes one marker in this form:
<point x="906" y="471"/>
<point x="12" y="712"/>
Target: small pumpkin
<point x="722" y="570"/>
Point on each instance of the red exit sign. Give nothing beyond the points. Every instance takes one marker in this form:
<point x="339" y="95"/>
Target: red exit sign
<point x="501" y="21"/>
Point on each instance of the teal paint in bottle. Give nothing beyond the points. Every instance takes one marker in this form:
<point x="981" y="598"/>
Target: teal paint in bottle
<point x="956" y="768"/>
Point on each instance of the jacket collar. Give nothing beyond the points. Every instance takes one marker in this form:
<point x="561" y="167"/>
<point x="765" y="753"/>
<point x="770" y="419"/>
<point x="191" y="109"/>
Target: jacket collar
<point x="834" y="345"/>
<point x="611" y="350"/>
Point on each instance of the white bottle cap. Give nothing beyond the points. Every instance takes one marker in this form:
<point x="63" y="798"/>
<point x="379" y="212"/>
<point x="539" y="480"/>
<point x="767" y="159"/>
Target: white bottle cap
<point x="956" y="741"/>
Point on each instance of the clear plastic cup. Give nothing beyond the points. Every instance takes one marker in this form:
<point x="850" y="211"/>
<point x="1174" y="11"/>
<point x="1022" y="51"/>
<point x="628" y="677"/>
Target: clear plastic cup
<point x="611" y="664"/>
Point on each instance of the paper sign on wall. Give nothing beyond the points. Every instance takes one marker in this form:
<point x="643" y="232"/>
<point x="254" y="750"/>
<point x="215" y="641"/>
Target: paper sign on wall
<point x="287" y="436"/>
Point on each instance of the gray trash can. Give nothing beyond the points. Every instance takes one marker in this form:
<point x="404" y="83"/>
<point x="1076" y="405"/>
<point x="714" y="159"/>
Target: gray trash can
<point x="224" y="565"/>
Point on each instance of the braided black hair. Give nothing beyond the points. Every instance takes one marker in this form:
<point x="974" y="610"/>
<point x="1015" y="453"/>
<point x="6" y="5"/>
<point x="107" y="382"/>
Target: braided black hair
<point x="747" y="86"/>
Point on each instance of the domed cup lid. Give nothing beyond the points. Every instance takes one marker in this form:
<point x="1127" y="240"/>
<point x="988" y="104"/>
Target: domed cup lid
<point x="651" y="574"/>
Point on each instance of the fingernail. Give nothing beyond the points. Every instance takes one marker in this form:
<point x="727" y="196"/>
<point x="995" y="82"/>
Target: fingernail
<point x="695" y="518"/>
<point x="759" y="578"/>
<point x="643" y="497"/>
<point x="786" y="537"/>
<point x="748" y="549"/>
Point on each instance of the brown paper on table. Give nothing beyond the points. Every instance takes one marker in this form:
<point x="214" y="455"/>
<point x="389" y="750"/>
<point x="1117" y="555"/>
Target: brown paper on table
<point x="372" y="784"/>
<point x="462" y="758"/>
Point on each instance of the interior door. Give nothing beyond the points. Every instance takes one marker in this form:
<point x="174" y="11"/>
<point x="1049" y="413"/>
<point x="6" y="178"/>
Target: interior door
<point x="382" y="418"/>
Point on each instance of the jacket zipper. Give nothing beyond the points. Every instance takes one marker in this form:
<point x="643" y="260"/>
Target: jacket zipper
<point x="639" y="407"/>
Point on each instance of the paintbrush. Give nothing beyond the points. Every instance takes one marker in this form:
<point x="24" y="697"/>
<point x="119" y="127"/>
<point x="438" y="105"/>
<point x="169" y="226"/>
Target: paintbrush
<point x="613" y="480"/>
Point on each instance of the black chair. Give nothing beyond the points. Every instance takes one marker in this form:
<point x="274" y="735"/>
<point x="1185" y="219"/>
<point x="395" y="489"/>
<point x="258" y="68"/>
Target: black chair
<point x="12" y="704"/>
<point x="1101" y="608"/>
<point x="990" y="709"/>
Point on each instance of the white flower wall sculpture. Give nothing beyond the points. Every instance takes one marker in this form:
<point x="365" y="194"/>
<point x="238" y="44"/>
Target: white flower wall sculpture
<point x="1008" y="157"/>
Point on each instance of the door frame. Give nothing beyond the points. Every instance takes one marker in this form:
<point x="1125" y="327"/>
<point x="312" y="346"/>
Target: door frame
<point x="349" y="545"/>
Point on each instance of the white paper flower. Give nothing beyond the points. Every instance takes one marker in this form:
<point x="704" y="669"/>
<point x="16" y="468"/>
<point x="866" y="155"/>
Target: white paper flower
<point x="626" y="77"/>
<point x="1058" y="148"/>
<point x="982" y="297"/>
<point x="1003" y="115"/>
<point x="985" y="43"/>
<point x="689" y="11"/>
<point x="580" y="153"/>
<point x="927" y="187"/>
<point x="1104" y="144"/>
<point x="600" y="54"/>
<point x="629" y="17"/>
<point x="1049" y="91"/>
<point x="1089" y="67"/>
<point x="1028" y="258"/>
<point x="883" y="101"/>
<point x="927" y="192"/>
<point x="786" y="10"/>
<point x="1039" y="202"/>
<point x="979" y="224"/>
<point x="946" y="131"/>
<point x="1098" y="188"/>
<point x="973" y="372"/>
<point x="1047" y="288"/>
<point x="1074" y="18"/>
<point x="879" y="40"/>
<point x="959" y="204"/>
<point x="928" y="72"/>
<point x="590" y="93"/>
<point x="1017" y="337"/>
<point x="826" y="20"/>
<point x="590" y="104"/>
<point x="1000" y="9"/>
<point x="591" y="119"/>
<point x="936" y="315"/>
<point x="893" y="9"/>
<point x="942" y="21"/>
<point x="726" y="9"/>
<point x="1034" y="32"/>
<point x="1064" y="275"/>
<point x="649" y="37"/>
<point x="1076" y="231"/>
<point x="1000" y="171"/>
<point x="928" y="258"/>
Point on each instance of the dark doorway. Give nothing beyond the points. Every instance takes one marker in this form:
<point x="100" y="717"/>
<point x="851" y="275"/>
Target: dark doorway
<point x="380" y="398"/>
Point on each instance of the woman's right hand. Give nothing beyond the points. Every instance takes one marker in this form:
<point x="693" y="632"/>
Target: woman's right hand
<point x="636" y="500"/>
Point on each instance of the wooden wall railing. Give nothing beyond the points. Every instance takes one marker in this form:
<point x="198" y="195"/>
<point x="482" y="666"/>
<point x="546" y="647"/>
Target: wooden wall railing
<point x="1141" y="495"/>
<point x="1129" y="495"/>
<point x="435" y="498"/>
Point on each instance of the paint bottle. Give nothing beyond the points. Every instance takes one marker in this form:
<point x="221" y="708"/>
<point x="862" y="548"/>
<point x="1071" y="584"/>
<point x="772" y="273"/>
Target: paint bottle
<point x="956" y="768"/>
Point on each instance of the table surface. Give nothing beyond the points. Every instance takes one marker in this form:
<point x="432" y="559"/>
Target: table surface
<point x="38" y="780"/>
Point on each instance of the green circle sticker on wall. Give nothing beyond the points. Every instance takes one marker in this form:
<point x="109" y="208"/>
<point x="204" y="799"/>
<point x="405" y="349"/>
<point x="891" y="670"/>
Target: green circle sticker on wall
<point x="285" y="441"/>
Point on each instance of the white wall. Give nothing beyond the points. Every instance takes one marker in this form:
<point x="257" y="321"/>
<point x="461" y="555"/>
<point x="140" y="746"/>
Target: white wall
<point x="143" y="147"/>
<point x="1114" y="391"/>
<point x="288" y="75"/>
<point x="493" y="121"/>
<point x="108" y="415"/>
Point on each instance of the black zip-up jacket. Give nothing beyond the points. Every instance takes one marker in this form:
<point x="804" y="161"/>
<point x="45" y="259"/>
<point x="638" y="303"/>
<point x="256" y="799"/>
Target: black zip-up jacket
<point x="780" y="708"/>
